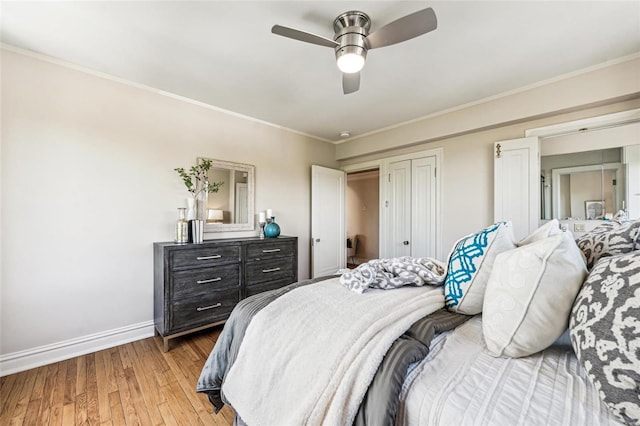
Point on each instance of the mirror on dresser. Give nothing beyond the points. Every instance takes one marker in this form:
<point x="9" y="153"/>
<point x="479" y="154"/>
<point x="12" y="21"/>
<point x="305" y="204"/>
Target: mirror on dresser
<point x="231" y="208"/>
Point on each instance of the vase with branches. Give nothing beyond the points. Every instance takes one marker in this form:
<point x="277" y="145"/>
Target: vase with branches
<point x="196" y="179"/>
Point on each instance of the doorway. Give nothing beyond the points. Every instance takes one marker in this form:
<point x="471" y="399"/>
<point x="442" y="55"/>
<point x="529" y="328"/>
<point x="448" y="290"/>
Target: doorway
<point x="363" y="216"/>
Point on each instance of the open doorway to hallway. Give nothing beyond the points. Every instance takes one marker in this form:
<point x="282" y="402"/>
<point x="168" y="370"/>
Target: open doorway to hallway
<point x="363" y="216"/>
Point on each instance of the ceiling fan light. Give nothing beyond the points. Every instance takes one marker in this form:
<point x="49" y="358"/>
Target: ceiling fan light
<point x="350" y="62"/>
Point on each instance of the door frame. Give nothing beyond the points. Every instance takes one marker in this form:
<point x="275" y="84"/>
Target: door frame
<point x="359" y="167"/>
<point x="382" y="165"/>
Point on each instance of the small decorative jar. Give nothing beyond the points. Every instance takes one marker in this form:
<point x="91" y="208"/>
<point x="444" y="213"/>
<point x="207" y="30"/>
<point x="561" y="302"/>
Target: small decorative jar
<point x="272" y="230"/>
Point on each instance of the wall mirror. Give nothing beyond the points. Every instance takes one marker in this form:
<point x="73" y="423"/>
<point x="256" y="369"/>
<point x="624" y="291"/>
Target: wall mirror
<point x="588" y="185"/>
<point x="231" y="208"/>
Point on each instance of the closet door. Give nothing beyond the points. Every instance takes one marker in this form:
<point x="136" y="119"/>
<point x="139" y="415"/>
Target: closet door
<point x="399" y="218"/>
<point x="423" y="207"/>
<point x="410" y="205"/>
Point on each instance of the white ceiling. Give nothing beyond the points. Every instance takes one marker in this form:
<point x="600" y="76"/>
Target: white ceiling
<point x="223" y="53"/>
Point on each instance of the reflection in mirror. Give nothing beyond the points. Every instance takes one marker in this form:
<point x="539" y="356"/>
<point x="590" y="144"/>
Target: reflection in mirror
<point x="586" y="185"/>
<point x="232" y="207"/>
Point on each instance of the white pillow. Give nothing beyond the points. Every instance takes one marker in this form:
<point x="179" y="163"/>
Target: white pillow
<point x="470" y="264"/>
<point x="548" y="229"/>
<point x="530" y="294"/>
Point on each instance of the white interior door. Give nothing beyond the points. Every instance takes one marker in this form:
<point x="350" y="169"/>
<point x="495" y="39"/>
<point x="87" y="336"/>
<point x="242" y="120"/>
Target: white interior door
<point x="423" y="207"/>
<point x="517" y="184"/>
<point x="399" y="218"/>
<point x="328" y="235"/>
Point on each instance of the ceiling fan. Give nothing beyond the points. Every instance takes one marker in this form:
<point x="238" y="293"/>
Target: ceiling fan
<point x="352" y="39"/>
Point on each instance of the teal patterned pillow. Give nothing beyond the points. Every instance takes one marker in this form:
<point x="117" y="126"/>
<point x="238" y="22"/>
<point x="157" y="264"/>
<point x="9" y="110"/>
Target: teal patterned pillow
<point x="470" y="264"/>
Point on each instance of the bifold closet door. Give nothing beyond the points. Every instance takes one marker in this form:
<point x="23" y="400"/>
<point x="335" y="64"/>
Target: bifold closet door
<point x="423" y="207"/>
<point x="412" y="208"/>
<point x="400" y="209"/>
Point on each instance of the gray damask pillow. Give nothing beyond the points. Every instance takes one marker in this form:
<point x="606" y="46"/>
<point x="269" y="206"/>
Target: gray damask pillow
<point x="609" y="239"/>
<point x="605" y="333"/>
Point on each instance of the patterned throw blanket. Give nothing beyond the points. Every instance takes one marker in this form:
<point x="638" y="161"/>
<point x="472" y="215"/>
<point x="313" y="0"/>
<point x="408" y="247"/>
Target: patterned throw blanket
<point x="393" y="273"/>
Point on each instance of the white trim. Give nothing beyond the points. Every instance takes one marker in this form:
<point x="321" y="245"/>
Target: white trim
<point x="587" y="124"/>
<point x="130" y="83"/>
<point x="31" y="358"/>
<point x="561" y="77"/>
<point x="374" y="164"/>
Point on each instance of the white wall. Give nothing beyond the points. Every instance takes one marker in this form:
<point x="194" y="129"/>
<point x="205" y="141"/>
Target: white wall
<point x="88" y="185"/>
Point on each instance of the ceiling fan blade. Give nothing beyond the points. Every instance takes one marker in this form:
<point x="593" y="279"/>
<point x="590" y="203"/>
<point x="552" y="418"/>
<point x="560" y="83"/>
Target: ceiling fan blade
<point x="350" y="82"/>
<point x="405" y="28"/>
<point x="303" y="36"/>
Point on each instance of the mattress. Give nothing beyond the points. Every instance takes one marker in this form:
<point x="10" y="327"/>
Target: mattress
<point x="459" y="383"/>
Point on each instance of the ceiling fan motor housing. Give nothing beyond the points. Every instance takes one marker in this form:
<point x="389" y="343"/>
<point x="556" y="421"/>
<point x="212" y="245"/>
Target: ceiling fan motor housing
<point x="351" y="30"/>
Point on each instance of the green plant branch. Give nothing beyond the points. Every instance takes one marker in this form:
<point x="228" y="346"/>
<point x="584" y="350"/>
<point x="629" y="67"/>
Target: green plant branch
<point x="196" y="179"/>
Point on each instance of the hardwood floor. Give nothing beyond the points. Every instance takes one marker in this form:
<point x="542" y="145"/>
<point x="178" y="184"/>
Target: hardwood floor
<point x="132" y="384"/>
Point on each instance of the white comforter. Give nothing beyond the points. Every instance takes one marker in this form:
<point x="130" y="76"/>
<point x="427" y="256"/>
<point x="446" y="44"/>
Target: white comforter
<point x="308" y="357"/>
<point x="460" y="384"/>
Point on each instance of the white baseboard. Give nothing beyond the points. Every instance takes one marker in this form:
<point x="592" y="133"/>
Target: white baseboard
<point x="31" y="358"/>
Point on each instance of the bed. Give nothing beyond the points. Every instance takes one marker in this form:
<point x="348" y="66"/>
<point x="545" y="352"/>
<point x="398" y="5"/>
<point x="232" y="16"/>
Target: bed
<point x="326" y="351"/>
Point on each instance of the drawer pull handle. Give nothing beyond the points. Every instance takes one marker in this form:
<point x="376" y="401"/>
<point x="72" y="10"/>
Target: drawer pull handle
<point x="271" y="251"/>
<point x="212" y="280"/>
<point x="204" y="308"/>
<point x="215" y="256"/>
<point x="270" y="270"/>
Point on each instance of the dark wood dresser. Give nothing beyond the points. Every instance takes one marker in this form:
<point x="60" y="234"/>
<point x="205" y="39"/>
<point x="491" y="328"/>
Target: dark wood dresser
<point x="197" y="285"/>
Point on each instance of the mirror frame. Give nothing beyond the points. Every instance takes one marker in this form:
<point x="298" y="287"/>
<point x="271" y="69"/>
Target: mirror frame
<point x="251" y="172"/>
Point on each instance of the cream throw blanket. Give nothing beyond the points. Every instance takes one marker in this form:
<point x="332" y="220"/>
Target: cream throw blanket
<point x="308" y="357"/>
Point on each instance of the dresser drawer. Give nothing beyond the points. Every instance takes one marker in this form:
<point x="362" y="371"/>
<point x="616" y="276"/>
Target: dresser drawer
<point x="202" y="281"/>
<point x="205" y="256"/>
<point x="269" y="270"/>
<point x="196" y="311"/>
<point x="270" y="250"/>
